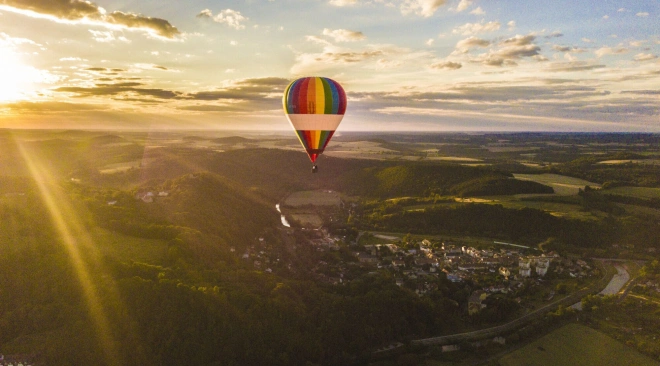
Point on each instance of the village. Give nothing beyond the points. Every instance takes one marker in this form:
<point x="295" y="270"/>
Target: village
<point x="529" y="277"/>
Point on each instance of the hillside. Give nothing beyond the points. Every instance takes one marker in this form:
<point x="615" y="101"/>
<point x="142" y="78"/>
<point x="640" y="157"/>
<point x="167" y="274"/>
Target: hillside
<point x="498" y="186"/>
<point x="215" y="206"/>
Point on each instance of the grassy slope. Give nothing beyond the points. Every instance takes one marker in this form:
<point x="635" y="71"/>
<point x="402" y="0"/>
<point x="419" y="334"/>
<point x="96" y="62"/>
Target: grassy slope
<point x="575" y="344"/>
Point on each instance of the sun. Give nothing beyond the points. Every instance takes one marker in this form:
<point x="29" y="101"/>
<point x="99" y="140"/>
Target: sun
<point x="17" y="79"/>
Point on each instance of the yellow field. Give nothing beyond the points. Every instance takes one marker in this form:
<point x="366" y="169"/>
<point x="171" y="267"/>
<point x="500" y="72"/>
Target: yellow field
<point x="576" y="344"/>
<point x="563" y="185"/>
<point x="640" y="192"/>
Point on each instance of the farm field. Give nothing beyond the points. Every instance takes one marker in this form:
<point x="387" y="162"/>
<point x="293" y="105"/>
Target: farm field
<point x="635" y="161"/>
<point x="558" y="209"/>
<point x="575" y="344"/>
<point x="563" y="185"/>
<point x="639" y="192"/>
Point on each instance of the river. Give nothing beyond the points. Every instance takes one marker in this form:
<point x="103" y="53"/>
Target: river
<point x="284" y="222"/>
<point x="614" y="286"/>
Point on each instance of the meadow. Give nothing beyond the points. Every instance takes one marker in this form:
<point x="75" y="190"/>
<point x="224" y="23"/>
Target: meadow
<point x="575" y="344"/>
<point x="563" y="185"/>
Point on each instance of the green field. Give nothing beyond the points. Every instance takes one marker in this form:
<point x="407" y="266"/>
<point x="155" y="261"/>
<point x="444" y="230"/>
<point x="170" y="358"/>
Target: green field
<point x="639" y="192"/>
<point x="563" y="185"/>
<point x="575" y="344"/>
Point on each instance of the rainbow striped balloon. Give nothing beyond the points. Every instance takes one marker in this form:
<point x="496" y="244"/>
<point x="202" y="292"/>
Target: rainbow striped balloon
<point x="315" y="106"/>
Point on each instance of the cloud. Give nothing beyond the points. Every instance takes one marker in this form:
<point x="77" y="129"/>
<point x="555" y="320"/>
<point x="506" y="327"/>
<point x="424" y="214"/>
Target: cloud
<point x="568" y="49"/>
<point x="343" y="35"/>
<point x="107" y="37"/>
<point x="573" y="66"/>
<point x="230" y="17"/>
<point x="555" y="34"/>
<point x="332" y="56"/>
<point x="603" y="51"/>
<point x="505" y="53"/>
<point x="85" y="11"/>
<point x="644" y="57"/>
<point x="510" y="50"/>
<point x="425" y="8"/>
<point x="212" y="108"/>
<point x="471" y="42"/>
<point x="463" y="5"/>
<point x="512" y="25"/>
<point x="117" y="89"/>
<point x="8" y="40"/>
<point x="479" y="11"/>
<point x="519" y="40"/>
<point x="474" y="28"/>
<point x="642" y="92"/>
<point x="206" y="13"/>
<point x="245" y="90"/>
<point x="49" y="107"/>
<point x="446" y="65"/>
<point x="642" y="14"/>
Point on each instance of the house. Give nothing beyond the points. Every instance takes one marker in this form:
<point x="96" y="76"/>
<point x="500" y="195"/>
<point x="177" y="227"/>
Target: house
<point x="524" y="267"/>
<point x="542" y="265"/>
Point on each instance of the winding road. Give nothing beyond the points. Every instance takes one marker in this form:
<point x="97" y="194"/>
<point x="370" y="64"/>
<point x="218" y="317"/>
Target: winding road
<point x="615" y="285"/>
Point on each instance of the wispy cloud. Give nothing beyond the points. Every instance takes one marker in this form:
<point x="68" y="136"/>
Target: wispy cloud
<point x="644" y="57"/>
<point x="474" y="28"/>
<point x="463" y="5"/>
<point x="604" y="51"/>
<point x="344" y="35"/>
<point x="233" y="19"/>
<point x="446" y="65"/>
<point x="80" y="11"/>
<point x="573" y="66"/>
<point x="424" y="8"/>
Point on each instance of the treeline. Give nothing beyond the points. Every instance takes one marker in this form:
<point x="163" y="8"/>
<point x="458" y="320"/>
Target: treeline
<point x="273" y="173"/>
<point x="498" y="186"/>
<point x="520" y="225"/>
<point x="625" y="174"/>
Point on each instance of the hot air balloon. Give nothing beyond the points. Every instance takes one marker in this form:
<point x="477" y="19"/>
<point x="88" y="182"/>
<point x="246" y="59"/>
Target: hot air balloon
<point x="314" y="106"/>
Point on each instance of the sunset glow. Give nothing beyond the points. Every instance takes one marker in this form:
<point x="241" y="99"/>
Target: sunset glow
<point x="460" y="65"/>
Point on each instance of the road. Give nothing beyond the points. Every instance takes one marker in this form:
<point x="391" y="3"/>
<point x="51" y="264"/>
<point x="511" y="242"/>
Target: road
<point x="517" y="323"/>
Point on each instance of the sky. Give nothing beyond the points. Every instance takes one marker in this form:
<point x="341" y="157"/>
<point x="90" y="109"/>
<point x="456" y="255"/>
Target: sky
<point x="406" y="65"/>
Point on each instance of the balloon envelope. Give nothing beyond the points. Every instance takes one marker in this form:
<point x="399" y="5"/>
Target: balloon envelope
<point x="314" y="106"/>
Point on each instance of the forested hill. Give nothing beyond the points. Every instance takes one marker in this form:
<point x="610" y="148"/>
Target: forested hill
<point x="276" y="172"/>
<point x="217" y="207"/>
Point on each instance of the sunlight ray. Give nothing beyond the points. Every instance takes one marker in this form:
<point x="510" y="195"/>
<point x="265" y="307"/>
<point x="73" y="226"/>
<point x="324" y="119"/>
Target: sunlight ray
<point x="72" y="235"/>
